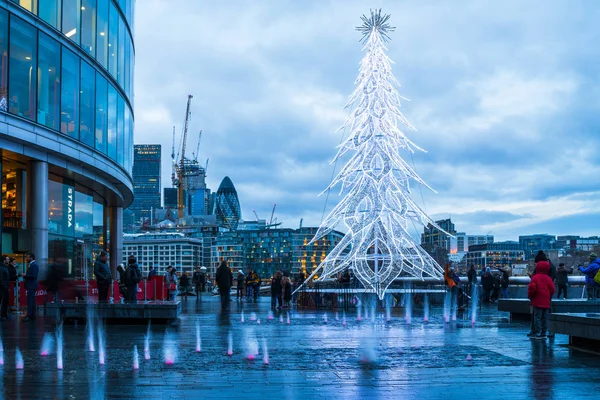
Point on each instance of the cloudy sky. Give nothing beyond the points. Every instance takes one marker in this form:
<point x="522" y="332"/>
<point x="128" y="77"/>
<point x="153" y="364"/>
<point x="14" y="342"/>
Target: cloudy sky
<point x="504" y="96"/>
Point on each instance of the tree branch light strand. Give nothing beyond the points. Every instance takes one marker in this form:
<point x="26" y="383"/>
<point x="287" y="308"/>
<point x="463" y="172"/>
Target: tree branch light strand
<point x="375" y="182"/>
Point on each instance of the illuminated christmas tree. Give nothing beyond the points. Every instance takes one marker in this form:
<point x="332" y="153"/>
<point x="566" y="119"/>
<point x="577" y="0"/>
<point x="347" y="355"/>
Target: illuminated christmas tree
<point x="375" y="182"/>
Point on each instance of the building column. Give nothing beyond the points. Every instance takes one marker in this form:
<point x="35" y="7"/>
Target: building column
<point x="116" y="238"/>
<point x="37" y="196"/>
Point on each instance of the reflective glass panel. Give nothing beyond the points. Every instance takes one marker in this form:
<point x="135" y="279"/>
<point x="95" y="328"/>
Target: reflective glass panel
<point x="113" y="39"/>
<point x="102" y="33"/>
<point x="121" y="131"/>
<point x="101" y="113"/>
<point x="112" y="122"/>
<point x="48" y="82"/>
<point x="61" y="211"/>
<point x="71" y="14"/>
<point x="84" y="215"/>
<point x="128" y="140"/>
<point x="22" y="77"/>
<point x="69" y="99"/>
<point x="88" y="26"/>
<point x="50" y="12"/>
<point x="3" y="60"/>
<point x="87" y="95"/>
<point x="121" y="55"/>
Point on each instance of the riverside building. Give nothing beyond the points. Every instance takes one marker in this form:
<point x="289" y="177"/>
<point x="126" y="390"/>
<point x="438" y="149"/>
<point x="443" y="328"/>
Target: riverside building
<point x="66" y="128"/>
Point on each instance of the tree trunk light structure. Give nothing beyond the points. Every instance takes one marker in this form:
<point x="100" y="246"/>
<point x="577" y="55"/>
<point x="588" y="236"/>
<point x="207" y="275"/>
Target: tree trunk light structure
<point x="377" y="205"/>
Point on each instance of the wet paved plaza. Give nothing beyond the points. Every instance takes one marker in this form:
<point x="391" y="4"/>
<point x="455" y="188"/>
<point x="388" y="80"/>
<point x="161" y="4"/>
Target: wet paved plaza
<point x="315" y="356"/>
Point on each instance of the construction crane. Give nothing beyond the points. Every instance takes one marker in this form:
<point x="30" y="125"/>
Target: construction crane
<point x="256" y="215"/>
<point x="173" y="176"/>
<point x="301" y="219"/>
<point x="272" y="213"/>
<point x="197" y="147"/>
<point x="181" y="167"/>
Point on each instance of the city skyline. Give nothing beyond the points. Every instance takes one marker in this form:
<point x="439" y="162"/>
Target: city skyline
<point x="499" y="98"/>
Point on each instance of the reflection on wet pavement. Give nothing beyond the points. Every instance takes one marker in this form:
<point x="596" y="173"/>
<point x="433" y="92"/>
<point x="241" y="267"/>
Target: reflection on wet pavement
<point x="311" y="357"/>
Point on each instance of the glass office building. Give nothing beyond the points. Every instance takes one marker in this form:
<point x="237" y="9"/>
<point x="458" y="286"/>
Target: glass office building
<point x="146" y="181"/>
<point x="66" y="127"/>
<point x="227" y="205"/>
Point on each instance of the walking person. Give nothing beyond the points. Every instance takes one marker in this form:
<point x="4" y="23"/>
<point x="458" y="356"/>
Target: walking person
<point x="103" y="276"/>
<point x="562" y="280"/>
<point x="4" y="286"/>
<point x="172" y="283"/>
<point x="241" y="284"/>
<point x="31" y="285"/>
<point x="487" y="283"/>
<point x="540" y="291"/>
<point x="590" y="272"/>
<point x="133" y="276"/>
<point x="224" y="279"/>
<point x="276" y="290"/>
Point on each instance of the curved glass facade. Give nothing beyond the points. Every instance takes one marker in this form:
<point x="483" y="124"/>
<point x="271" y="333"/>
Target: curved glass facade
<point x="73" y="71"/>
<point x="227" y="205"/>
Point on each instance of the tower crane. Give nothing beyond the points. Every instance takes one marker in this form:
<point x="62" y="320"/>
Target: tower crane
<point x="181" y="166"/>
<point x="198" y="147"/>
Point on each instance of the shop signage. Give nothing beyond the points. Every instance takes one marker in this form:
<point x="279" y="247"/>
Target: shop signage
<point x="68" y="200"/>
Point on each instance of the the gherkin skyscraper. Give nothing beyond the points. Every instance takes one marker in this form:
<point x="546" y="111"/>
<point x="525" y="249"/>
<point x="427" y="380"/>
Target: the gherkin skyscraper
<point x="227" y="205"/>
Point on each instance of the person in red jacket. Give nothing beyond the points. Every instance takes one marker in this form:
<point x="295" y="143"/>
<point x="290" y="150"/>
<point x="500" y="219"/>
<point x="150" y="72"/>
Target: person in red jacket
<point x="540" y="291"/>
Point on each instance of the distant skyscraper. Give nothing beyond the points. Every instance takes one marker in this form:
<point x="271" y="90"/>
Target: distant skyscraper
<point x="170" y="198"/>
<point x="146" y="180"/>
<point x="433" y="237"/>
<point x="227" y="205"/>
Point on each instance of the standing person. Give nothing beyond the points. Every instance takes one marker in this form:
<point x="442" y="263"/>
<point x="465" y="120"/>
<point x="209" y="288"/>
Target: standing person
<point x="203" y="279"/>
<point x="31" y="285"/>
<point x="4" y="286"/>
<point x="196" y="281"/>
<point x="504" y="283"/>
<point x="133" y="276"/>
<point x="172" y="283"/>
<point x="590" y="272"/>
<point x="241" y="284"/>
<point x="540" y="291"/>
<point x="11" y="264"/>
<point x="562" y="280"/>
<point x="224" y="278"/>
<point x="103" y="276"/>
<point x="152" y="272"/>
<point x="276" y="290"/>
<point x="256" y="283"/>
<point x="184" y="283"/>
<point x="286" y="288"/>
<point x="249" y="289"/>
<point x="487" y="283"/>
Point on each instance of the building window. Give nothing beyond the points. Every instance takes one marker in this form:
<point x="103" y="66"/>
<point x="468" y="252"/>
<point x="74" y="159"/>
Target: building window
<point x="101" y="113"/>
<point x="29" y="5"/>
<point x="88" y="26"/>
<point x="123" y="34"/>
<point x="69" y="111"/>
<point x="49" y="82"/>
<point x="71" y="14"/>
<point x="87" y="127"/>
<point x="102" y="33"/>
<point x="112" y="122"/>
<point x="22" y="77"/>
<point x="84" y="215"/>
<point x="128" y="139"/>
<point x="50" y="12"/>
<point x="61" y="211"/>
<point x="113" y="39"/>
<point x="3" y="60"/>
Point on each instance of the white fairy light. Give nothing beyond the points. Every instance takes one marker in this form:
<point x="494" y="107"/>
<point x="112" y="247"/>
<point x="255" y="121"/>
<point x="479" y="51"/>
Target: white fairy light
<point x="377" y="205"/>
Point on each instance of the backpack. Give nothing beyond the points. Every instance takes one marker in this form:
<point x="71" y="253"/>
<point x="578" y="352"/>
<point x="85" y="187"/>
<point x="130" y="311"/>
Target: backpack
<point x="597" y="277"/>
<point x="132" y="276"/>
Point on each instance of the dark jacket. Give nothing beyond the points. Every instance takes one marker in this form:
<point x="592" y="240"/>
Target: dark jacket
<point x="590" y="271"/>
<point x="472" y="276"/>
<point x="504" y="280"/>
<point x="275" y="286"/>
<point x="487" y="281"/>
<point x="241" y="281"/>
<point x="541" y="287"/>
<point x="184" y="281"/>
<point x="562" y="275"/>
<point x="102" y="271"/>
<point x="4" y="277"/>
<point x="12" y="271"/>
<point x="224" y="277"/>
<point x="31" y="276"/>
<point x="133" y="275"/>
